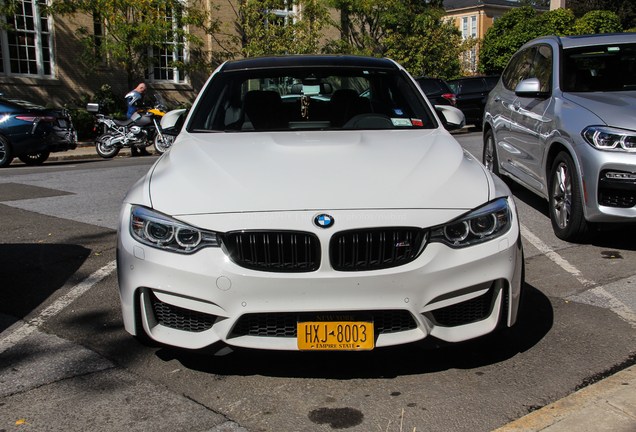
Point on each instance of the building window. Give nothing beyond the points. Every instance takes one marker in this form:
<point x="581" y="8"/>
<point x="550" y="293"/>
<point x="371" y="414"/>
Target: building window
<point x="163" y="69"/>
<point x="473" y="26"/>
<point x="27" y="49"/>
<point x="283" y="14"/>
<point x="465" y="28"/>
<point x="98" y="38"/>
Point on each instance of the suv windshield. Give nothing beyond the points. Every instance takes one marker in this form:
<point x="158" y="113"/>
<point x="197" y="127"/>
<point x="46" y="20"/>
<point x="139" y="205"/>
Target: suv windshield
<point x="599" y="68"/>
<point x="310" y="98"/>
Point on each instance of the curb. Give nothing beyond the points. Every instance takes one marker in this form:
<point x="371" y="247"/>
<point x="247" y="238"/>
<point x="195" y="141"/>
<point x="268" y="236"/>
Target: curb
<point x="579" y="406"/>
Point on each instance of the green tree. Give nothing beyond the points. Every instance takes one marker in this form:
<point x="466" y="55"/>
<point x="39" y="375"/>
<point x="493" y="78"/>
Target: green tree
<point x="521" y="25"/>
<point x="432" y="46"/>
<point x="131" y="27"/>
<point x="504" y="38"/>
<point x="412" y="32"/>
<point x="597" y="22"/>
<point x="263" y="27"/>
<point x="624" y="9"/>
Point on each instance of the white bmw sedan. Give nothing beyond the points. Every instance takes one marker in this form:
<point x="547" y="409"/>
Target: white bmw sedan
<point x="317" y="203"/>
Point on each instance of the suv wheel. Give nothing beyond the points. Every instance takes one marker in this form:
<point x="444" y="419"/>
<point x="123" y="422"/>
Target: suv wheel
<point x="490" y="154"/>
<point x="566" y="205"/>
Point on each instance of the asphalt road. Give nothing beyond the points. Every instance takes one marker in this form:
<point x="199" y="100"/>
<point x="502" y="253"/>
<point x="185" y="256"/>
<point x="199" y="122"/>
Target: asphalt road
<point x="58" y="228"/>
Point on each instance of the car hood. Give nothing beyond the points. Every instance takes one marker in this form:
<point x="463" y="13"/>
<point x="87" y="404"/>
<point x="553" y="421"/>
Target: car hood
<point x="616" y="109"/>
<point x="244" y="172"/>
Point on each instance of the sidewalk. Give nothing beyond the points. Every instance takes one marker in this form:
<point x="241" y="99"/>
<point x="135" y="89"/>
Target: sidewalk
<point x="85" y="150"/>
<point x="609" y="405"/>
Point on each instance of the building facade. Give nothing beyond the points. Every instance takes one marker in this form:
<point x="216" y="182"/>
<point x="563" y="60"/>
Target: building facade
<point x="474" y="18"/>
<point x="40" y="60"/>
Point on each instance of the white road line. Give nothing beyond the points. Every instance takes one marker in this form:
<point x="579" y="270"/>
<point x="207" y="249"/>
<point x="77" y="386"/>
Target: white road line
<point x="56" y="307"/>
<point x="618" y="307"/>
<point x="555" y="257"/>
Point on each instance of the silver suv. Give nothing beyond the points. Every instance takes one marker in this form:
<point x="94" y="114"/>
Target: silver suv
<point x="562" y="122"/>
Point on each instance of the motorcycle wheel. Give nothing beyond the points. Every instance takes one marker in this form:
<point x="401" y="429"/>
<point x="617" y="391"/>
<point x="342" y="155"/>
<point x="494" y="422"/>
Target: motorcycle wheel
<point x="34" y="159"/>
<point x="161" y="145"/>
<point x="103" y="149"/>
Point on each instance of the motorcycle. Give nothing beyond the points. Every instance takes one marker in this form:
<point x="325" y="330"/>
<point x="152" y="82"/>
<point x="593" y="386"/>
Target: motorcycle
<point x="136" y="133"/>
<point x="171" y="125"/>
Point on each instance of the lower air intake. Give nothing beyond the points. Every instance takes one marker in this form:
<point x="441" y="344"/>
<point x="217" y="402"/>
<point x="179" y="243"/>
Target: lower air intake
<point x="179" y="318"/>
<point x="284" y="324"/>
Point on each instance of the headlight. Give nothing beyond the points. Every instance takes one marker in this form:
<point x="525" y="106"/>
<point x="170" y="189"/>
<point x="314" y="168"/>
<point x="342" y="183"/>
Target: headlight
<point x="158" y="230"/>
<point x="483" y="224"/>
<point x="609" y="138"/>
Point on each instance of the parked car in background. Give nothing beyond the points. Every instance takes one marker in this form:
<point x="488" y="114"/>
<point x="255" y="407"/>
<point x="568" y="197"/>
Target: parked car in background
<point x="562" y="122"/>
<point x="271" y="223"/>
<point x="31" y="132"/>
<point x="471" y="94"/>
<point x="437" y="91"/>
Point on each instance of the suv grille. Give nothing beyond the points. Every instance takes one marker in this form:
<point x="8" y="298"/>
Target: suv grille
<point x="284" y="324"/>
<point x="373" y="249"/>
<point x="275" y="251"/>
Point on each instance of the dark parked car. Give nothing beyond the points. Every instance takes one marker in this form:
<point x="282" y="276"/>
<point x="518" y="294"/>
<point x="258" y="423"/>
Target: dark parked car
<point x="472" y="94"/>
<point x="437" y="91"/>
<point x="31" y="132"/>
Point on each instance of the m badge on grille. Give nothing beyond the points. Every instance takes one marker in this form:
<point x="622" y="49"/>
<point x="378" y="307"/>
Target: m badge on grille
<point x="323" y="221"/>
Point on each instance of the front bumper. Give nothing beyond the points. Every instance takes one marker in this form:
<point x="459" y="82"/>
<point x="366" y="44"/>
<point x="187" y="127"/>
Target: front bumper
<point x="196" y="300"/>
<point x="607" y="200"/>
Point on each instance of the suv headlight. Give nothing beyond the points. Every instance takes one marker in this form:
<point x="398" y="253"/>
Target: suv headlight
<point x="163" y="232"/>
<point x="609" y="138"/>
<point x="480" y="225"/>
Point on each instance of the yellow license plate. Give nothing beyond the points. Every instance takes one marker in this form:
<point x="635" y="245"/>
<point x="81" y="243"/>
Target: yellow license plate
<point x="335" y="335"/>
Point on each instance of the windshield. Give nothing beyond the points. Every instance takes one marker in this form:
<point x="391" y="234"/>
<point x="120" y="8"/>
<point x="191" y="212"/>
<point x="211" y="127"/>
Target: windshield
<point x="599" y="68"/>
<point x="310" y="98"/>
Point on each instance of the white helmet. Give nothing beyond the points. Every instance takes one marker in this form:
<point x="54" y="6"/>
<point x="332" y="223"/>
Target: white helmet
<point x="134" y="98"/>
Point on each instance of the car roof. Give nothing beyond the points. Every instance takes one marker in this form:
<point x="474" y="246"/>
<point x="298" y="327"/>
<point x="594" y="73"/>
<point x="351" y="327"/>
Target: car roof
<point x="471" y="78"/>
<point x="309" y="60"/>
<point x="590" y="39"/>
<point x="428" y="78"/>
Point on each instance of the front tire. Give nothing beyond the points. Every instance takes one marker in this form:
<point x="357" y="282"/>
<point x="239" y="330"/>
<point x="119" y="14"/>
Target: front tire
<point x="566" y="203"/>
<point x="489" y="158"/>
<point x="6" y="152"/>
<point x="34" y="159"/>
<point x="104" y="149"/>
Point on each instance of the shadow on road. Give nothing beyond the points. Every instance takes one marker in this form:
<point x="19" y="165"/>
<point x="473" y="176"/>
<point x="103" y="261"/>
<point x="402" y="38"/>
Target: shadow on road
<point x="431" y="355"/>
<point x="30" y="273"/>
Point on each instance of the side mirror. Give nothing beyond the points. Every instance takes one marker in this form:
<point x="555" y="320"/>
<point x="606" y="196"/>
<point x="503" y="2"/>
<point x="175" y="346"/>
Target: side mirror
<point x="451" y="117"/>
<point x="530" y="87"/>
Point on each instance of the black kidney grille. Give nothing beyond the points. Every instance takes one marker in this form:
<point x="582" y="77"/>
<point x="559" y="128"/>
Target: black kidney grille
<point x="179" y="318"/>
<point x="373" y="249"/>
<point x="275" y="251"/>
<point x="283" y="324"/>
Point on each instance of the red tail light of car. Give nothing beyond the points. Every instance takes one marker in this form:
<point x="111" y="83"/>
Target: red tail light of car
<point x="451" y="98"/>
<point x="32" y="118"/>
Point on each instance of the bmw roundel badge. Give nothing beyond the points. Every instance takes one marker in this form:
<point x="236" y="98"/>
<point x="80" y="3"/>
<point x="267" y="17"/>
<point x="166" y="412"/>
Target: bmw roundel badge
<point x="323" y="221"/>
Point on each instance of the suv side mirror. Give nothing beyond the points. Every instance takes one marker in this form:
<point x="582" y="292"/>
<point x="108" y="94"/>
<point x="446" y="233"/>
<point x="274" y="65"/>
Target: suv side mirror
<point x="530" y="87"/>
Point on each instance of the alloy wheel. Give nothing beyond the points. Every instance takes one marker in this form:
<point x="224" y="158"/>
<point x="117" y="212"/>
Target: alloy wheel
<point x="562" y="195"/>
